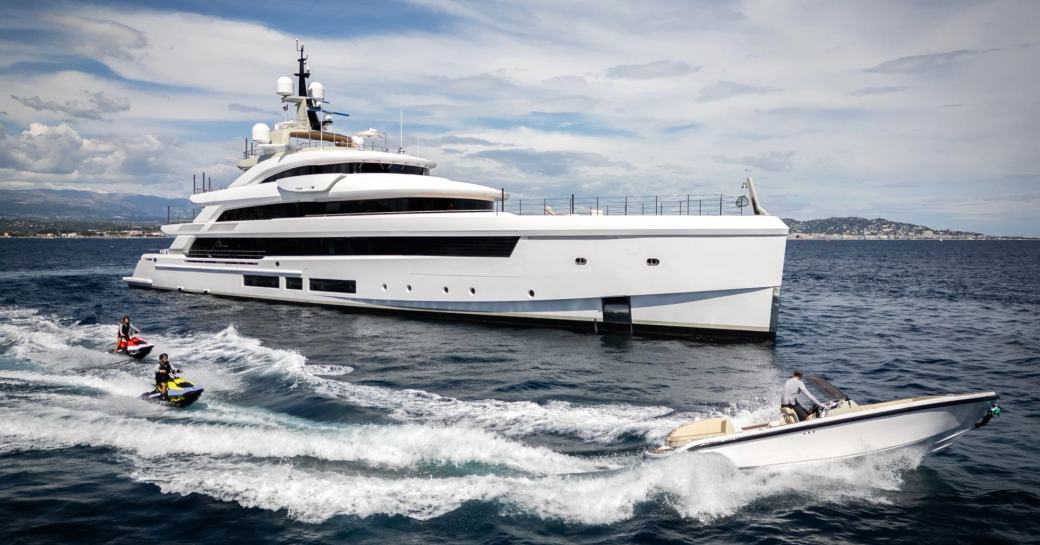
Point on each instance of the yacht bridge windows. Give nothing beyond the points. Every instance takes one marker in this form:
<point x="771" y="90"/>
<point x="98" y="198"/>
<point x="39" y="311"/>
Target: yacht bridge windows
<point x="349" y="168"/>
<point x="366" y="206"/>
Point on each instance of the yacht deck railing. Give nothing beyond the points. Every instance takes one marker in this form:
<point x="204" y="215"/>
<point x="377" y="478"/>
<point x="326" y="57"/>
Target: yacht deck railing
<point x="639" y="205"/>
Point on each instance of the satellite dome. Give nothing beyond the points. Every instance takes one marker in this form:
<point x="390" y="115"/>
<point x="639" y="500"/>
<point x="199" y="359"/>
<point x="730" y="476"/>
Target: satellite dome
<point x="284" y="86"/>
<point x="316" y="90"/>
<point x="261" y="134"/>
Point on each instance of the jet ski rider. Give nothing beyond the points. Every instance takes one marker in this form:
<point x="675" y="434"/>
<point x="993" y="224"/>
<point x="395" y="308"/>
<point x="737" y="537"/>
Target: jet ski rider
<point x="163" y="375"/>
<point x="789" y="397"/>
<point x="125" y="333"/>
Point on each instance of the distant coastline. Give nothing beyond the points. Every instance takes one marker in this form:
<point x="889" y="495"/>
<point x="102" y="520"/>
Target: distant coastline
<point x="856" y="228"/>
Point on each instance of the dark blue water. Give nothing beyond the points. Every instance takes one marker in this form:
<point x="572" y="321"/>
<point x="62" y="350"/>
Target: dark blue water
<point x="322" y="426"/>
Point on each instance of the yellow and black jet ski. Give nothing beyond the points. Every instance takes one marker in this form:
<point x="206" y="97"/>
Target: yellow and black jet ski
<point x="179" y="393"/>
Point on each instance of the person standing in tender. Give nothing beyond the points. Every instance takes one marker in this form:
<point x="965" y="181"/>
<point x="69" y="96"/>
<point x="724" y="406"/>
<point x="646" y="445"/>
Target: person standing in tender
<point x="789" y="398"/>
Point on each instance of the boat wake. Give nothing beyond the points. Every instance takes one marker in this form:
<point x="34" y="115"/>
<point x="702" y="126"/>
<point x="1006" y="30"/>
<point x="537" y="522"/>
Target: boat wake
<point x="702" y="488"/>
<point x="60" y="388"/>
<point x="222" y="361"/>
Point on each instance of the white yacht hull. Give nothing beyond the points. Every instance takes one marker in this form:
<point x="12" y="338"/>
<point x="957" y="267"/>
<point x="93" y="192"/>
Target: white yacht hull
<point x="929" y="424"/>
<point x="715" y="275"/>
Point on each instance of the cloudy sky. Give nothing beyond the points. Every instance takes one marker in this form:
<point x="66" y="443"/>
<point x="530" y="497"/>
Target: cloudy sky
<point x="923" y="111"/>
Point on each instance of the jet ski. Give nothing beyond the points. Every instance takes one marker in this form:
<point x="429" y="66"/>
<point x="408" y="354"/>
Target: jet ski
<point x="836" y="429"/>
<point x="136" y="347"/>
<point x="179" y="392"/>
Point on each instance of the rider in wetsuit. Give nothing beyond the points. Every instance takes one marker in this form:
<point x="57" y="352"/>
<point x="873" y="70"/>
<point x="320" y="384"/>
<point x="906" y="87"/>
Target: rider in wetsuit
<point x="163" y="376"/>
<point x="125" y="333"/>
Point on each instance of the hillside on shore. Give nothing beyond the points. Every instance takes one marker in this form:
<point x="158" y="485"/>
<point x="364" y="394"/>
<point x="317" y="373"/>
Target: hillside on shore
<point x="855" y="228"/>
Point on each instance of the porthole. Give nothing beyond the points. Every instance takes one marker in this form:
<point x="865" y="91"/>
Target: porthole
<point x="408" y="288"/>
<point x="384" y="287"/>
<point x="653" y="262"/>
<point x="445" y="289"/>
<point x="472" y="291"/>
<point x="580" y="261"/>
<point x="530" y="293"/>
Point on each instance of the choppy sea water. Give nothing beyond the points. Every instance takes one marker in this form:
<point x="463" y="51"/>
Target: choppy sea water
<point x="322" y="426"/>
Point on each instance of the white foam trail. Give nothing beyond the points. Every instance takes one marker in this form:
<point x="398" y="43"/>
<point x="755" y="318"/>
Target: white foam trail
<point x="84" y="351"/>
<point x="329" y="370"/>
<point x="396" y="447"/>
<point x="601" y="423"/>
<point x="115" y="383"/>
<point x="35" y="338"/>
<point x="700" y="487"/>
<point x="232" y="350"/>
<point x="220" y="361"/>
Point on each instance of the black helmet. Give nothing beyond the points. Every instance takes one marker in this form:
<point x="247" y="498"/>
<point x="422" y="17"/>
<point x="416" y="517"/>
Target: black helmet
<point x="163" y="355"/>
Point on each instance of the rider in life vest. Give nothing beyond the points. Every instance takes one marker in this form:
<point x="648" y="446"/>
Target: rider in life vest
<point x="163" y="375"/>
<point x="126" y="332"/>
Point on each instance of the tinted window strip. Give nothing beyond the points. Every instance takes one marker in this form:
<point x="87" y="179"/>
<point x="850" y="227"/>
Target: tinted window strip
<point x="348" y="168"/>
<point x="260" y="281"/>
<point x="369" y="206"/>
<point x="255" y="248"/>
<point x="338" y="286"/>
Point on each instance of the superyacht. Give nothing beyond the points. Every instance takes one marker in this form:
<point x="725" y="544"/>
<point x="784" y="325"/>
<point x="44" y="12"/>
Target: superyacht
<point x="320" y="217"/>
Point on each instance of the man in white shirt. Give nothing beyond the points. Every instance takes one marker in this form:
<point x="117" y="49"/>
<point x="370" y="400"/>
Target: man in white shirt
<point x="789" y="397"/>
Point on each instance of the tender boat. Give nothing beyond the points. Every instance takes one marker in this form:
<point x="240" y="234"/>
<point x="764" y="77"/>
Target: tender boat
<point x="838" y="428"/>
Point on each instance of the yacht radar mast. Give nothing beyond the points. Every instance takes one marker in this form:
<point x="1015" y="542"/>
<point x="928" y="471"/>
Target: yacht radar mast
<point x="304" y="72"/>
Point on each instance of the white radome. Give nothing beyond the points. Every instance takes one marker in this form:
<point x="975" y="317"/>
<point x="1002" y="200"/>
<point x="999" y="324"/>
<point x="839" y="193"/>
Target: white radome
<point x="284" y="86"/>
<point x="261" y="133"/>
<point x="316" y="91"/>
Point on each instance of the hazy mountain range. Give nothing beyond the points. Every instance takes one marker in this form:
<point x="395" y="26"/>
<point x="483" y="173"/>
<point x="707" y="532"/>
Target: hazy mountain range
<point x="86" y="206"/>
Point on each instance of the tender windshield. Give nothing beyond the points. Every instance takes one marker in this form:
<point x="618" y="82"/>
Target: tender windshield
<point x="828" y="390"/>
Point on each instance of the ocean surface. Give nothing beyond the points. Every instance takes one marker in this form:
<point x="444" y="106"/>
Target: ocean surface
<point x="322" y="426"/>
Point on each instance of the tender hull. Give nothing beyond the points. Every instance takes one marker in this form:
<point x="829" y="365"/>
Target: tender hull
<point x="930" y="424"/>
<point x="708" y="276"/>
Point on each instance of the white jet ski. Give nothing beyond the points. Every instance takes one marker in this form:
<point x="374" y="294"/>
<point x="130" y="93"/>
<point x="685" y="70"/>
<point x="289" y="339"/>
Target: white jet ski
<point x="838" y="428"/>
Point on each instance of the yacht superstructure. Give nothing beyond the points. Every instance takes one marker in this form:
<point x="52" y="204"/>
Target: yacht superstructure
<point x="323" y="218"/>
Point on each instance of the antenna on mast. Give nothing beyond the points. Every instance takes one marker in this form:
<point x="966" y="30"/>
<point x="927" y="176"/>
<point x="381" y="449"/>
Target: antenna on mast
<point x="400" y="131"/>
